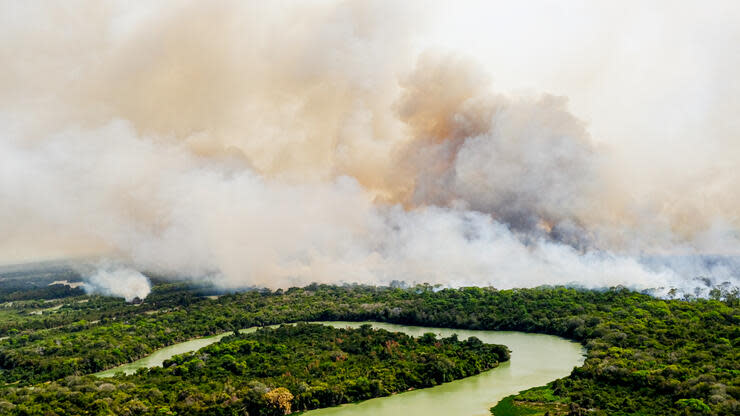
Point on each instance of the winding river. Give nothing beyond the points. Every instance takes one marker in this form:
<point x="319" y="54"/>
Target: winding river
<point x="536" y="359"/>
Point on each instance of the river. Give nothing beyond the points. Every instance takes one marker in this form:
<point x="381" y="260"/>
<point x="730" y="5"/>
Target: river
<point x="536" y="359"/>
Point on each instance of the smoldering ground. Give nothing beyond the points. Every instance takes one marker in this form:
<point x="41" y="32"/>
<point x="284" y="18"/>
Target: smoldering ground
<point x="277" y="144"/>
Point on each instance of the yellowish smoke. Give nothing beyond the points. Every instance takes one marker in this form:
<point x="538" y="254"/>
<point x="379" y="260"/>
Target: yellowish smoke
<point x="263" y="143"/>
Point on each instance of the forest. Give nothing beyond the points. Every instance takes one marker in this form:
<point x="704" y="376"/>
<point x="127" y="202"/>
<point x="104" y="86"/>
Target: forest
<point x="646" y="356"/>
<point x="270" y="372"/>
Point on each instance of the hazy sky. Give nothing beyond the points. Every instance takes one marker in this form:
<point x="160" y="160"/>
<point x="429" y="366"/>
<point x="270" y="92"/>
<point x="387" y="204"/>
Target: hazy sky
<point x="277" y="143"/>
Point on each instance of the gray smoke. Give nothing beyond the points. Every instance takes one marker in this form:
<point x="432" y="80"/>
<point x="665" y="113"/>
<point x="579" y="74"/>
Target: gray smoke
<point x="265" y="144"/>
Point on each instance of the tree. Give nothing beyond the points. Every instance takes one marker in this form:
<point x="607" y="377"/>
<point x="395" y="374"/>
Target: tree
<point x="280" y="399"/>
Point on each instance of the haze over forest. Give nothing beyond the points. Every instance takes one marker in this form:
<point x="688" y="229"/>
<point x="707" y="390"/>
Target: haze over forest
<point x="254" y="144"/>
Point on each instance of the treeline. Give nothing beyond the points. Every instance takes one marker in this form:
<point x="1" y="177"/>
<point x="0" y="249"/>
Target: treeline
<point x="645" y="355"/>
<point x="270" y="372"/>
<point x="35" y="282"/>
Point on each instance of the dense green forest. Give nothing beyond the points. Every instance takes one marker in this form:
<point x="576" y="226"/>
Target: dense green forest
<point x="270" y="372"/>
<point x="646" y="356"/>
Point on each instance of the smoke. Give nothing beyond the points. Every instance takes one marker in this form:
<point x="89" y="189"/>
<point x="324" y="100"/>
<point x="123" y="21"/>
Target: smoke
<point x="272" y="144"/>
<point x="525" y="160"/>
<point x="121" y="282"/>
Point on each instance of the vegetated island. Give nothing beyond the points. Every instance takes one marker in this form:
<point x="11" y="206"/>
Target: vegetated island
<point x="270" y="372"/>
<point x="646" y="356"/>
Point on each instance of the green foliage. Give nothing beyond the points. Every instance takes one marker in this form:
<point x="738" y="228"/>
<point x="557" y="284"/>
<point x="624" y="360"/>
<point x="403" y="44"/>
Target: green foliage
<point x="535" y="401"/>
<point x="539" y="394"/>
<point x="646" y="356"/>
<point x="506" y="407"/>
<point x="269" y="372"/>
<point x="693" y="404"/>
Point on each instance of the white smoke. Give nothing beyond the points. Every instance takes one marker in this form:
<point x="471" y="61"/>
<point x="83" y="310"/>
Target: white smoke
<point x="273" y="146"/>
<point x="118" y="281"/>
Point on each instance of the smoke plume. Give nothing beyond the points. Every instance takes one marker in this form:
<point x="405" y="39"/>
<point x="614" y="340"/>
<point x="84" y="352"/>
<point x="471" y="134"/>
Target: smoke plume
<point x="277" y="144"/>
<point x="118" y="281"/>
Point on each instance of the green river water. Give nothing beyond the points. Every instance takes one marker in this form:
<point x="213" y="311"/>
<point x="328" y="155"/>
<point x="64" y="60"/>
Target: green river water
<point x="536" y="359"/>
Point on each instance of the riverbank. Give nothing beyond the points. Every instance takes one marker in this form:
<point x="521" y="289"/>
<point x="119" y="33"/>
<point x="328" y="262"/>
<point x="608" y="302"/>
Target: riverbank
<point x="536" y="359"/>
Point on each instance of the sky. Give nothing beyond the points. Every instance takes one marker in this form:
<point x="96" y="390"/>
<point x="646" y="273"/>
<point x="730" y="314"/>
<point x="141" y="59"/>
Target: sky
<point x="460" y="143"/>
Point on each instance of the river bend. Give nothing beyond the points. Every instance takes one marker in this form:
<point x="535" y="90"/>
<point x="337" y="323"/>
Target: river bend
<point x="536" y="359"/>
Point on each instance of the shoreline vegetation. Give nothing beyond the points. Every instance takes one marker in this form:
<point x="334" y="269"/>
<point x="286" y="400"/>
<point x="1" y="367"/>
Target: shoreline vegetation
<point x="646" y="356"/>
<point x="272" y="371"/>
